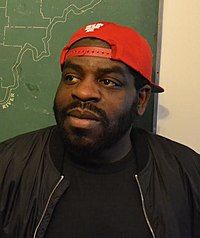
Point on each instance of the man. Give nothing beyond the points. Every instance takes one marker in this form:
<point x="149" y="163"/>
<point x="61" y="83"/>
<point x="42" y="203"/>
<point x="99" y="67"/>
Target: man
<point x="94" y="174"/>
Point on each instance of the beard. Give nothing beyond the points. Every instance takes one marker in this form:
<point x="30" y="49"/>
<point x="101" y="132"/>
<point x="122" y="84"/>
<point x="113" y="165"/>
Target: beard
<point x="111" y="130"/>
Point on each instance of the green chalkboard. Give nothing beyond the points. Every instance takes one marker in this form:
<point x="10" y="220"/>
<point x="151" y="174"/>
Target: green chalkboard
<point x="32" y="34"/>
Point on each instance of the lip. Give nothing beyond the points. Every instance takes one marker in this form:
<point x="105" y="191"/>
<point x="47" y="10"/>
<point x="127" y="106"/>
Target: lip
<point x="82" y="119"/>
<point x="83" y="114"/>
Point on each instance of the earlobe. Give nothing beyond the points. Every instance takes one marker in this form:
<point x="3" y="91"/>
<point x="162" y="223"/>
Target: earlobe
<point x="143" y="97"/>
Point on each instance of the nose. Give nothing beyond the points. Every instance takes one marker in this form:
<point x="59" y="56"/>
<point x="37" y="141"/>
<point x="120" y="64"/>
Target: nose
<point x="87" y="90"/>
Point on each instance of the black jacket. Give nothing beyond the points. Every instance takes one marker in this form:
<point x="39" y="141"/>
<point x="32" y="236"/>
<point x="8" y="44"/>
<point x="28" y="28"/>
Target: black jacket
<point x="31" y="184"/>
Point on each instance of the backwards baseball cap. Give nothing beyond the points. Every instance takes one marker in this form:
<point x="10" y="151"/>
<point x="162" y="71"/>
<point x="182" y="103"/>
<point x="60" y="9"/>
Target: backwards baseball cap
<point x="127" y="46"/>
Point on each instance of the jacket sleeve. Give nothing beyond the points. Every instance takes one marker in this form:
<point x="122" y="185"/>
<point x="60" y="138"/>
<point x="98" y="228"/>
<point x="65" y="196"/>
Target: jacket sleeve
<point x="22" y="172"/>
<point x="184" y="163"/>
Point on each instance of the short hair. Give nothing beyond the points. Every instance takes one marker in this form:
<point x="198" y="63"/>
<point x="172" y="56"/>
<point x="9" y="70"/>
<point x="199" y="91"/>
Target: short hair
<point x="140" y="81"/>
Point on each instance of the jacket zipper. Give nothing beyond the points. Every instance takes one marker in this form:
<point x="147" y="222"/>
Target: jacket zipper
<point x="45" y="209"/>
<point x="143" y="207"/>
<point x="141" y="195"/>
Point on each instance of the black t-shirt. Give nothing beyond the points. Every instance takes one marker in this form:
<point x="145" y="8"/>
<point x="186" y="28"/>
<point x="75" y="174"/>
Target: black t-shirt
<point x="101" y="202"/>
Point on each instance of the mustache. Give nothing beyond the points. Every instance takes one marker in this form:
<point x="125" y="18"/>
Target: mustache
<point x="90" y="107"/>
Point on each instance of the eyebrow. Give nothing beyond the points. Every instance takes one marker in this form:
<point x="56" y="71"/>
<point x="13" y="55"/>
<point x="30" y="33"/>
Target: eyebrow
<point x="69" y="65"/>
<point x="113" y="69"/>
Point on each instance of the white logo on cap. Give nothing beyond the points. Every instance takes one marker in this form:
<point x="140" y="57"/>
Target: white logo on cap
<point x="91" y="28"/>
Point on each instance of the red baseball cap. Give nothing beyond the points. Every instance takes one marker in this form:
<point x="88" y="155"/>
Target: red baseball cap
<point x="127" y="46"/>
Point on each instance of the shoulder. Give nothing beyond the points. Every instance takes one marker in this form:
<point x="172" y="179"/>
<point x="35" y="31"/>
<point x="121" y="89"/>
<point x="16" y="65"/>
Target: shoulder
<point x="173" y="156"/>
<point x="24" y="155"/>
<point x="167" y="151"/>
<point x="171" y="146"/>
<point x="28" y="137"/>
<point x="20" y="145"/>
<point x="164" y="143"/>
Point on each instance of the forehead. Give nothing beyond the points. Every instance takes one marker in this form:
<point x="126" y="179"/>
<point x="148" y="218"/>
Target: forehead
<point x="97" y="65"/>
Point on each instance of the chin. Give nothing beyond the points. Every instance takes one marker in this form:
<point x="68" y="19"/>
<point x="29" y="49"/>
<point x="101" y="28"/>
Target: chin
<point x="82" y="145"/>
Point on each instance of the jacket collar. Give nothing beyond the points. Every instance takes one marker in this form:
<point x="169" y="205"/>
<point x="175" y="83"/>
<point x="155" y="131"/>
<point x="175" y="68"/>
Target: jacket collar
<point x="138" y="138"/>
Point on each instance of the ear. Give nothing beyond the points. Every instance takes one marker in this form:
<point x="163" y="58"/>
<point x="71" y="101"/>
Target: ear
<point x="144" y="94"/>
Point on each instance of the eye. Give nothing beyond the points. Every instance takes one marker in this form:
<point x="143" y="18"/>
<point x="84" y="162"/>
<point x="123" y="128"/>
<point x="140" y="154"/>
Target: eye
<point x="70" y="79"/>
<point x="110" y="83"/>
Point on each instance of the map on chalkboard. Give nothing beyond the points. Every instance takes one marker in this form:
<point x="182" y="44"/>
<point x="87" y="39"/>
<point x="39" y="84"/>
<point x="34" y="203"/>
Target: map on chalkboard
<point x="32" y="34"/>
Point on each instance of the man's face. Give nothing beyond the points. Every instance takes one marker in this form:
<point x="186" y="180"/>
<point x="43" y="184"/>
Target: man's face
<point x="95" y="102"/>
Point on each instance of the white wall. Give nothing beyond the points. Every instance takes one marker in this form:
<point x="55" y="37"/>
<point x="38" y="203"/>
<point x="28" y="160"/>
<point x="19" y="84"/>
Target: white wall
<point x="179" y="105"/>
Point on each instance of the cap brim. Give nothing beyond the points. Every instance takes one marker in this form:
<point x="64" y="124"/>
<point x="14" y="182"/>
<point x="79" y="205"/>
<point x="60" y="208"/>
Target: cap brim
<point x="156" y="89"/>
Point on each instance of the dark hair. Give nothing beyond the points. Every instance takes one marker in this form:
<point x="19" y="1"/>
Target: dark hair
<point x="140" y="81"/>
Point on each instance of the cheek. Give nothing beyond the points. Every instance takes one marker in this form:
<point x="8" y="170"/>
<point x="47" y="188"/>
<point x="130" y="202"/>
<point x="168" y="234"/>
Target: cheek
<point x="120" y="105"/>
<point x="62" y="96"/>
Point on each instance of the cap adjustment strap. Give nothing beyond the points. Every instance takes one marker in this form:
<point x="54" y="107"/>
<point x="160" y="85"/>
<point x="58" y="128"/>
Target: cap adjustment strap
<point x="89" y="51"/>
